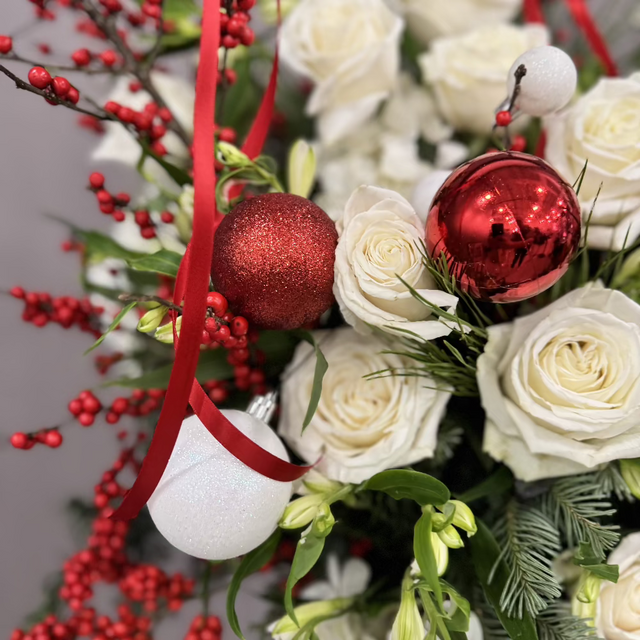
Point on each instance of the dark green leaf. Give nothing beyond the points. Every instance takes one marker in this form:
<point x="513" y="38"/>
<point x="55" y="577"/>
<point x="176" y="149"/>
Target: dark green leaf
<point x="180" y="176"/>
<point x="116" y="322"/>
<point x="587" y="558"/>
<point x="493" y="573"/>
<point x="425" y="556"/>
<point x="321" y="368"/>
<point x="163" y="261"/>
<point x="404" y="483"/>
<point x="98" y="246"/>
<point x="252" y="562"/>
<point x="494" y="485"/>
<point x="458" y="619"/>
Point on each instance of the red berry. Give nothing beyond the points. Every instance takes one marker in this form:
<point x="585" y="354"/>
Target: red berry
<point x="235" y="27"/>
<point x="19" y="440"/>
<point x="165" y="115"/>
<point x="53" y="439"/>
<point x="239" y="326"/>
<point x="17" y="292"/>
<point x="229" y="42"/>
<point x="96" y="180"/>
<point x="227" y="134"/>
<point x="167" y="217"/>
<point x="142" y="121"/>
<point x="503" y="118"/>
<point x="247" y="37"/>
<point x="108" y="58"/>
<point x="222" y="334"/>
<point x="6" y="44"/>
<point x="218" y="303"/>
<point x="112" y="107"/>
<point x="91" y="405"/>
<point x="519" y="143"/>
<point x="118" y="216"/>
<point x="142" y="218"/>
<point x="123" y="199"/>
<point x="81" y="57"/>
<point x="158" y="148"/>
<point x="158" y="131"/>
<point x="75" y="407"/>
<point x="126" y="115"/>
<point x="148" y="233"/>
<point x="86" y="419"/>
<point x="61" y="86"/>
<point x="245" y="5"/>
<point x="218" y="395"/>
<point x="104" y="197"/>
<point x="39" y="78"/>
<point x="152" y="10"/>
<point x="107" y="207"/>
<point x="120" y="405"/>
<point x="73" y="96"/>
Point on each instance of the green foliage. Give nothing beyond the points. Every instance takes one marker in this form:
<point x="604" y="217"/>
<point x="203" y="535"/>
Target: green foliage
<point x="114" y="325"/>
<point x="575" y="505"/>
<point x="164" y="261"/>
<point x="404" y="483"/>
<point x="426" y="557"/>
<point x="587" y="559"/>
<point x="496" y="484"/>
<point x="252" y="562"/>
<point x="557" y="623"/>
<point x="318" y="375"/>
<point x="493" y="573"/>
<point x="529" y="543"/>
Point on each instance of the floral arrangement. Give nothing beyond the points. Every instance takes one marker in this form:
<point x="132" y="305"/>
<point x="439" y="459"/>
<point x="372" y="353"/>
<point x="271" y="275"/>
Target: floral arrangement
<point x="414" y="270"/>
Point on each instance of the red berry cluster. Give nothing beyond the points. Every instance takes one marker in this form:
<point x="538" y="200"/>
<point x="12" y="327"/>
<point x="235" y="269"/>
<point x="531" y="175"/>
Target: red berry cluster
<point x="52" y="438"/>
<point x="41" y="309"/>
<point x="88" y="27"/>
<point x="218" y="390"/>
<point x="150" y="123"/>
<point x="6" y="45"/>
<point x="110" y="204"/>
<point x="57" y="88"/>
<point x="107" y="58"/>
<point x="104" y="363"/>
<point x="85" y="408"/>
<point x="49" y="629"/>
<point x="205" y="628"/>
<point x="234" y="27"/>
<point x="150" y="585"/>
<point x="152" y="9"/>
<point x="91" y="123"/>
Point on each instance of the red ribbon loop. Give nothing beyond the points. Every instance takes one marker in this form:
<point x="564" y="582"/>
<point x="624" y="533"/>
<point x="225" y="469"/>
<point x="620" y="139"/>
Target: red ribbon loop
<point x="192" y="285"/>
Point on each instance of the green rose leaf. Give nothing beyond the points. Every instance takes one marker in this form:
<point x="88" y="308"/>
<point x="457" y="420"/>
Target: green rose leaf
<point x="404" y="483"/>
<point x="493" y="573"/>
<point x="252" y="562"/>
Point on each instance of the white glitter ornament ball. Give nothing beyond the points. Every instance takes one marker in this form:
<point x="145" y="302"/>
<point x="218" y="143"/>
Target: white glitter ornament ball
<point x="210" y="505"/>
<point x="550" y="82"/>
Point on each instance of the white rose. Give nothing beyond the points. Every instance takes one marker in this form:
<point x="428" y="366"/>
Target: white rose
<point x="351" y="50"/>
<point x="361" y="426"/>
<point x="380" y="243"/>
<point x="118" y="145"/>
<point x="561" y="387"/>
<point x="618" y="606"/>
<point x="468" y="73"/>
<point x="603" y="126"/>
<point x="428" y="19"/>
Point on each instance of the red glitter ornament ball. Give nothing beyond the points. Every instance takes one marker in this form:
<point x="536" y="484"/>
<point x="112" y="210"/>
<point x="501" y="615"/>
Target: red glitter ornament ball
<point x="508" y="225"/>
<point x="273" y="260"/>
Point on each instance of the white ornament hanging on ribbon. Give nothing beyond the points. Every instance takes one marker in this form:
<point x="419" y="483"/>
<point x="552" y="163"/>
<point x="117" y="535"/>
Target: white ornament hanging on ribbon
<point x="549" y="84"/>
<point x="210" y="505"/>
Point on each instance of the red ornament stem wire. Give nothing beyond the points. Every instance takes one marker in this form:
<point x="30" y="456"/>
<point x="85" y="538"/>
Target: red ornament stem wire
<point x="193" y="285"/>
<point x="583" y="18"/>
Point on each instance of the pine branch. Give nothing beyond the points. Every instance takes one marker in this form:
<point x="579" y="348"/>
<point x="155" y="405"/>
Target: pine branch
<point x="530" y="542"/>
<point x="557" y="623"/>
<point x="575" y="506"/>
<point x="612" y="483"/>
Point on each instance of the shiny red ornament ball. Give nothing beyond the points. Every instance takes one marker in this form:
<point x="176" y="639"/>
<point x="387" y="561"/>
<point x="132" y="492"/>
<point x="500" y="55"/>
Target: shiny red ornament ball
<point x="273" y="260"/>
<point x="507" y="224"/>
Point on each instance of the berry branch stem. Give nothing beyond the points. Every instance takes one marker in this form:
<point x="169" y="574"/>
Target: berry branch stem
<point x="57" y="68"/>
<point x="21" y="84"/>
<point x="157" y="46"/>
<point x="125" y="297"/>
<point x="142" y="72"/>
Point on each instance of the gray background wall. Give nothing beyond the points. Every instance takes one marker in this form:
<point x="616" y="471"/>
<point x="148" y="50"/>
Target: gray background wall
<point x="44" y="165"/>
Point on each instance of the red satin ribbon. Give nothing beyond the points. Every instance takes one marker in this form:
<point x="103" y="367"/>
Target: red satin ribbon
<point x="586" y="23"/>
<point x="192" y="285"/>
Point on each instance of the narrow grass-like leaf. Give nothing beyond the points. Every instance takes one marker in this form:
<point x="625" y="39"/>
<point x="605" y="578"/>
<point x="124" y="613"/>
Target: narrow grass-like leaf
<point x="114" y="325"/>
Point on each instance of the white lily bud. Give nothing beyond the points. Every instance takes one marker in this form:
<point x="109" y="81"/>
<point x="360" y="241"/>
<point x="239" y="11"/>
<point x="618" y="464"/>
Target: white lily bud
<point x="305" y="613"/>
<point x="165" y="332"/>
<point x="631" y="473"/>
<point x="450" y="536"/>
<point x="464" y="518"/>
<point x="151" y="320"/>
<point x="315" y="482"/>
<point x="300" y="512"/>
<point x="302" y="168"/>
<point x="585" y="602"/>
<point x="408" y="624"/>
<point x="441" y="552"/>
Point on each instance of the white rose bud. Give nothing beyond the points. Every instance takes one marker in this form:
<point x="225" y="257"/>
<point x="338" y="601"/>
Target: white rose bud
<point x="379" y="244"/>
<point x="361" y="426"/>
<point x="560" y="386"/>
<point x="618" y="610"/>
<point x="468" y="72"/>
<point x="602" y="127"/>
<point x="351" y="51"/>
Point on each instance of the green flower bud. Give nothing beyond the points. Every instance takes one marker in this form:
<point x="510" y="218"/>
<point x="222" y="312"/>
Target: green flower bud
<point x="584" y="602"/>
<point x="232" y="156"/>
<point x="151" y="320"/>
<point x="299" y="513"/>
<point x="408" y="624"/>
<point x="165" y="332"/>
<point x="323" y="522"/>
<point x="307" y="612"/>
<point x="451" y="537"/>
<point x="302" y="168"/>
<point x="631" y="473"/>
<point x="464" y="518"/>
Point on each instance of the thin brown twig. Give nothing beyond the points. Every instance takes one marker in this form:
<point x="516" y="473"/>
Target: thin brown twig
<point x="108" y="26"/>
<point x="157" y="46"/>
<point x="55" y="67"/>
<point x="125" y="297"/>
<point x="21" y="84"/>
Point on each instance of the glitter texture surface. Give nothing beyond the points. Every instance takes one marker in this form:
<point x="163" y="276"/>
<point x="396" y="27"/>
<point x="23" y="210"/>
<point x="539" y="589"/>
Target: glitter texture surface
<point x="273" y="260"/>
<point x="209" y="504"/>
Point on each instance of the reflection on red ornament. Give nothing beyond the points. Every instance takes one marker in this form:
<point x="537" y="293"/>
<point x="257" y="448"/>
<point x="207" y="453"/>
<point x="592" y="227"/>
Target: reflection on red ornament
<point x="507" y="224"/>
